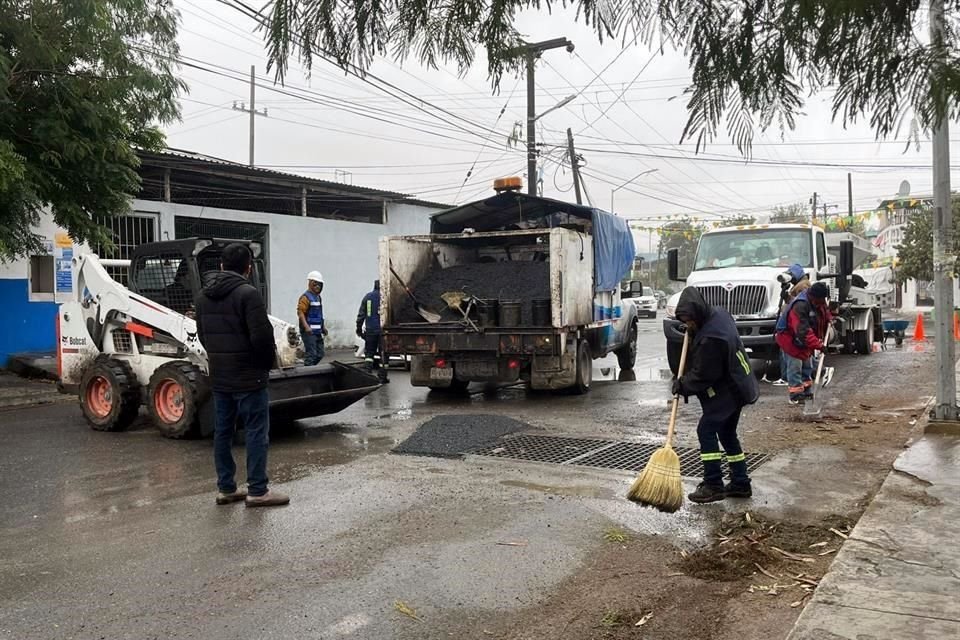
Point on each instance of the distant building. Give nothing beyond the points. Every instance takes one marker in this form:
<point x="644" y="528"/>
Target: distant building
<point x="302" y="223"/>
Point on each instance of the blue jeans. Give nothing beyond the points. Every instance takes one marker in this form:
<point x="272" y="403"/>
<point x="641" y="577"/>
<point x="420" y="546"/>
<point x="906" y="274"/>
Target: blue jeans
<point x="799" y="375"/>
<point x="312" y="347"/>
<point x="253" y="410"/>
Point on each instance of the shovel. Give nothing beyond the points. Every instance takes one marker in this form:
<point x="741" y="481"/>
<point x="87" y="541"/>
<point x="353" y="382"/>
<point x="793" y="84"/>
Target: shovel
<point x="426" y="314"/>
<point x="813" y="408"/>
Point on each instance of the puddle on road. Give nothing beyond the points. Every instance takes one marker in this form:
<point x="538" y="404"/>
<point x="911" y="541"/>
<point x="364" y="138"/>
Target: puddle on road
<point x="614" y="373"/>
<point x="582" y="491"/>
<point x="312" y="450"/>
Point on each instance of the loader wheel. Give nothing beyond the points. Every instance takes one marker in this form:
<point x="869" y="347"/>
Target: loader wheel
<point x="176" y="394"/>
<point x="109" y="395"/>
<point x="627" y="354"/>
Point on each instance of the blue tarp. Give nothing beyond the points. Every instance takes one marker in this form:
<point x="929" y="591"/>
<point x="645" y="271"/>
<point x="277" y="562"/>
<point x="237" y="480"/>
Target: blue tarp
<point x="613" y="250"/>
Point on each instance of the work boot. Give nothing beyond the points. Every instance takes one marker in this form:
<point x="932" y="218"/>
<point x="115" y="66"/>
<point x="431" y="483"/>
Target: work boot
<point x="229" y="498"/>
<point x="780" y="383"/>
<point x="269" y="499"/>
<point x="738" y="490"/>
<point x="707" y="493"/>
<point x="796" y="398"/>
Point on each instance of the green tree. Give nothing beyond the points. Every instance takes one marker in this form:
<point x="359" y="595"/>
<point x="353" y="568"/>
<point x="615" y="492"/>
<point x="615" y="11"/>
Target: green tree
<point x="915" y="252"/>
<point x="740" y="220"/>
<point x="82" y="83"/>
<point x="684" y="236"/>
<point x="796" y="212"/>
<point x="753" y="61"/>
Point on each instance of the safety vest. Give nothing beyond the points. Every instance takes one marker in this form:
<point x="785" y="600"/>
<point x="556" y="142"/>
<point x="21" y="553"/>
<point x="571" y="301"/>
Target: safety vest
<point x="720" y="325"/>
<point x="371" y="312"/>
<point x="314" y="312"/>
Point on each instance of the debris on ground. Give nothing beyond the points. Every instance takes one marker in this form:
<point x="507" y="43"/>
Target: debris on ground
<point x="616" y="535"/>
<point x="746" y="544"/>
<point x="405" y="609"/>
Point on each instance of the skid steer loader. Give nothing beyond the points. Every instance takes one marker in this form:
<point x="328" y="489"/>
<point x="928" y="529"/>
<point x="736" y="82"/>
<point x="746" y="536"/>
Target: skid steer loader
<point x="120" y="347"/>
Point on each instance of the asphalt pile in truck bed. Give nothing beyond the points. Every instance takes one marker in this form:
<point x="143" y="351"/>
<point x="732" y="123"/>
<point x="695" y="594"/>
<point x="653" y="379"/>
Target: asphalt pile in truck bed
<point x="524" y="281"/>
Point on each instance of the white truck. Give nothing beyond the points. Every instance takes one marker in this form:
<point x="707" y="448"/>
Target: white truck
<point x="512" y="288"/>
<point x="743" y="270"/>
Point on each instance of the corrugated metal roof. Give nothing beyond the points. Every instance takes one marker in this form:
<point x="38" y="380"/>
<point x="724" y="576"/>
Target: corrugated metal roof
<point x="177" y="157"/>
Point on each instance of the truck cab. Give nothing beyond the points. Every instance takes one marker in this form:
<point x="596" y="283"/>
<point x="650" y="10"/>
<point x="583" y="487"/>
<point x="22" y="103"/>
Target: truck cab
<point x="740" y="269"/>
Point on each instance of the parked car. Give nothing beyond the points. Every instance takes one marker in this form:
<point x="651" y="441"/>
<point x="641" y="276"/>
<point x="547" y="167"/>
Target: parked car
<point x="645" y="302"/>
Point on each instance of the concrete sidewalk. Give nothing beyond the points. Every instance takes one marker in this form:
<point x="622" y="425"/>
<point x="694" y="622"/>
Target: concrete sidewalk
<point x="898" y="575"/>
<point x="22" y="392"/>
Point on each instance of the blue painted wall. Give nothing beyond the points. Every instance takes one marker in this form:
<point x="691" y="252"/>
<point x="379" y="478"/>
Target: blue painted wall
<point x="24" y="325"/>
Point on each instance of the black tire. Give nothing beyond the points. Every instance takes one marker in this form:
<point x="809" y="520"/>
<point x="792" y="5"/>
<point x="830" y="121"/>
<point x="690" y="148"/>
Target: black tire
<point x="175" y="397"/>
<point x="627" y="354"/>
<point x="584" y="375"/>
<point x="109" y="394"/>
<point x="673" y="355"/>
<point x="863" y="340"/>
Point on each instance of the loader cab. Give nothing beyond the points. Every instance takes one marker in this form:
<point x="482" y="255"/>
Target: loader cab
<point x="171" y="273"/>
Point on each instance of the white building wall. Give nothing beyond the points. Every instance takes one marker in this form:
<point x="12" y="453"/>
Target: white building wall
<point x="344" y="252"/>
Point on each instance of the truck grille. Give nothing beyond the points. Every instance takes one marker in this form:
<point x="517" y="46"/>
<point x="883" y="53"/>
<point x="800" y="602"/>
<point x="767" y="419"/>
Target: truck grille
<point x="742" y="300"/>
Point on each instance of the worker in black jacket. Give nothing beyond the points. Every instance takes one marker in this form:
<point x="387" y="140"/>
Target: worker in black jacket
<point x="233" y="327"/>
<point x="717" y="372"/>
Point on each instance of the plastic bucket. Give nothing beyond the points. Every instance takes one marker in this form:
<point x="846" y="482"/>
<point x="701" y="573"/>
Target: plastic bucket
<point x="487" y="312"/>
<point x="510" y="313"/>
<point x="542" y="315"/>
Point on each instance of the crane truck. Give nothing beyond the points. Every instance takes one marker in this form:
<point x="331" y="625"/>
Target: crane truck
<point x="120" y="347"/>
<point x="743" y="270"/>
<point x="512" y="288"/>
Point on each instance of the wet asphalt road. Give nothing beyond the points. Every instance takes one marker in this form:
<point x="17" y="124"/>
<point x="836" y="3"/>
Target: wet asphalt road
<point x="114" y="536"/>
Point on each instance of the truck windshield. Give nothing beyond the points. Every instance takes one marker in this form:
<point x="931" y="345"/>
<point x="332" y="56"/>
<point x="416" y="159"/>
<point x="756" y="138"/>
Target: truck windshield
<point x="754" y="248"/>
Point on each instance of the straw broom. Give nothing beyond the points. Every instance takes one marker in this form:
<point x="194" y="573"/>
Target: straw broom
<point x="659" y="485"/>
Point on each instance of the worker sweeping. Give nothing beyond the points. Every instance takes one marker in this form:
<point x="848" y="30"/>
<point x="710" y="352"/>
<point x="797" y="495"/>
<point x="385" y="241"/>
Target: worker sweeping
<point x="369" y="328"/>
<point x="795" y="280"/>
<point x="800" y="331"/>
<point x="720" y="376"/>
<point x="310" y="315"/>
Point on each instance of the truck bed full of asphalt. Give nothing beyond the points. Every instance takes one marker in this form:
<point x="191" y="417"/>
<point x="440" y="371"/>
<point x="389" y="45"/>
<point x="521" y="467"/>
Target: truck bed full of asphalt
<point x="449" y="436"/>
<point x="519" y="280"/>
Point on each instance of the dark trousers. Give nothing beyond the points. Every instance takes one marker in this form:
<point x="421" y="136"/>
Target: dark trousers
<point x="313" y="348"/>
<point x="373" y="353"/>
<point x="718" y="427"/>
<point x="253" y="410"/>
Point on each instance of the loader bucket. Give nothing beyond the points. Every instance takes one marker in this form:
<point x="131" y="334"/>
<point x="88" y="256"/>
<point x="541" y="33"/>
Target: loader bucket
<point x="304" y="392"/>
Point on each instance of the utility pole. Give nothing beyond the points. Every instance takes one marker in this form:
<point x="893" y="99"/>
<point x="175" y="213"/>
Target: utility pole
<point x="574" y="165"/>
<point x="850" y="194"/>
<point x="943" y="247"/>
<point x="814" y="202"/>
<point x="252" y="110"/>
<point x="532" y="51"/>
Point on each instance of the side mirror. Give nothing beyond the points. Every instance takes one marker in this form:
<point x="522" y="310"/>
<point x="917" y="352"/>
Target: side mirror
<point x="673" y="265"/>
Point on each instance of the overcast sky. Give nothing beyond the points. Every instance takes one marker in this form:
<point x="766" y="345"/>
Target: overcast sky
<point x="628" y="110"/>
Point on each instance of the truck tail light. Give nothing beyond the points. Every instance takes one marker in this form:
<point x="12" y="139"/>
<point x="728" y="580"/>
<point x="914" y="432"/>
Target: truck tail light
<point x="440" y="363"/>
<point x="513" y="363"/>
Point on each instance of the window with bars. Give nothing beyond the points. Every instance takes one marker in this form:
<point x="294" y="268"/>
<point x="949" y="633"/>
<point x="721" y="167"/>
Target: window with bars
<point x="127" y="232"/>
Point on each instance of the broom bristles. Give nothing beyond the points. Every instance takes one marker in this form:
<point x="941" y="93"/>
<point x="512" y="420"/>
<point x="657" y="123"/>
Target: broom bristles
<point x="659" y="484"/>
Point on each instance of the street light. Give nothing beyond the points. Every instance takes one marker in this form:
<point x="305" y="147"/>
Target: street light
<point x="559" y="105"/>
<point x="615" y="189"/>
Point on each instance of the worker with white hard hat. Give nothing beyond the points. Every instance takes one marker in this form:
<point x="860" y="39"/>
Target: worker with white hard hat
<point x="310" y="312"/>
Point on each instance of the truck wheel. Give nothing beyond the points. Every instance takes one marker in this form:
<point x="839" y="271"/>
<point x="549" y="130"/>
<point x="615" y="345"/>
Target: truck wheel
<point x="109" y="395"/>
<point x="627" y="354"/>
<point x="584" y="369"/>
<point x="176" y="394"/>
<point x="863" y="340"/>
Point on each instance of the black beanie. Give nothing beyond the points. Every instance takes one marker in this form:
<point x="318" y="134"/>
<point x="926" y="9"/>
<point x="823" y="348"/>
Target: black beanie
<point x="819" y="290"/>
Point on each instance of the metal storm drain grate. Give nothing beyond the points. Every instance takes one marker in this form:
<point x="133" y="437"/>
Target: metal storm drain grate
<point x="602" y="454"/>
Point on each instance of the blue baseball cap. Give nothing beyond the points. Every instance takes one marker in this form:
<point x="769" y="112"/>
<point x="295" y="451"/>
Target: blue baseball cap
<point x="796" y="272"/>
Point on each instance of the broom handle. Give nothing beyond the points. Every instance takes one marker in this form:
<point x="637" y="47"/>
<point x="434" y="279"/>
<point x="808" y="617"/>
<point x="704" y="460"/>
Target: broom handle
<point x="676" y="398"/>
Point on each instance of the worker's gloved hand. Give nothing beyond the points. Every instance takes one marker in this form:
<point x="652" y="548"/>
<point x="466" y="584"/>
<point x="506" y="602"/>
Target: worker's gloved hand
<point x="325" y="332"/>
<point x="676" y="388"/>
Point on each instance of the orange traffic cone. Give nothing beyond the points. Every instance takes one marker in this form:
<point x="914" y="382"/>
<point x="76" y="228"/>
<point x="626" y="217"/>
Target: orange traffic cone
<point x="918" y="333"/>
<point x="956" y="325"/>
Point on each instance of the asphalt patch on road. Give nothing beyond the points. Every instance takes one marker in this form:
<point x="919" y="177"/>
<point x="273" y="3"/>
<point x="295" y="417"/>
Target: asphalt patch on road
<point x="451" y="436"/>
